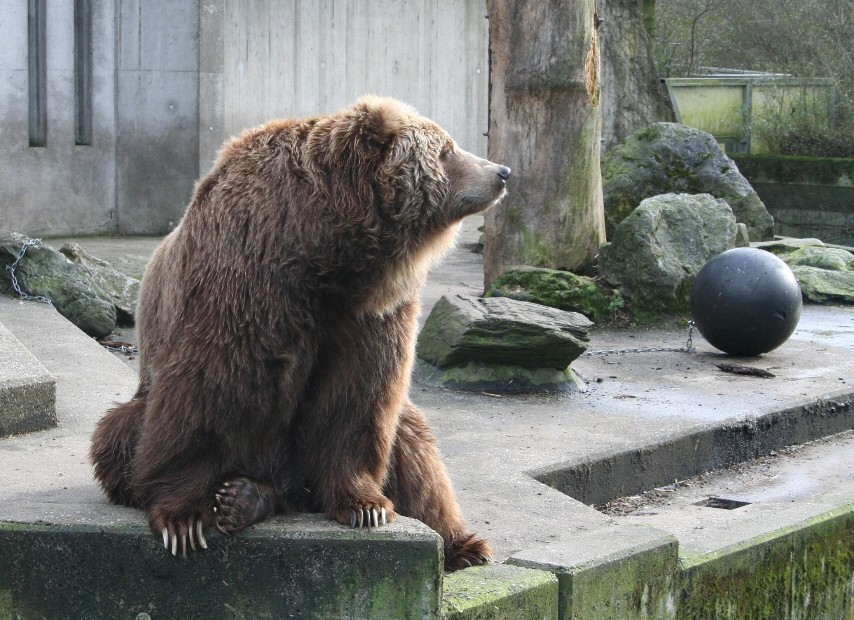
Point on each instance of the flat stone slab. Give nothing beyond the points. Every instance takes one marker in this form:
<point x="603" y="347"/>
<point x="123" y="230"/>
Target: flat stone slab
<point x="27" y="390"/>
<point x="463" y="329"/>
<point x="501" y="345"/>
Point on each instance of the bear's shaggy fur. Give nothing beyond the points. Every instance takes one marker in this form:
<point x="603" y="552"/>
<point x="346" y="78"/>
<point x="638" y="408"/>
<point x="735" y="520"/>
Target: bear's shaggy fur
<point x="277" y="330"/>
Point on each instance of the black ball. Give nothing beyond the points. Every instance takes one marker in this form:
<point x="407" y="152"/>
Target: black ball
<point x="746" y="301"/>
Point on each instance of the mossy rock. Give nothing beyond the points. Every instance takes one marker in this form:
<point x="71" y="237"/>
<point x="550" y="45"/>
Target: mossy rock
<point x="557" y="289"/>
<point x="832" y="259"/>
<point x="123" y="289"/>
<point x="658" y="250"/>
<point x="498" y="331"/>
<point x="42" y="271"/>
<point x="822" y="286"/>
<point x="501" y="344"/>
<point x="668" y="158"/>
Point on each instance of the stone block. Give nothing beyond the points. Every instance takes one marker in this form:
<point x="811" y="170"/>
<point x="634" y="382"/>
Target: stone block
<point x="297" y="566"/>
<point x="27" y="390"/>
<point x="616" y="572"/>
<point x="499" y="592"/>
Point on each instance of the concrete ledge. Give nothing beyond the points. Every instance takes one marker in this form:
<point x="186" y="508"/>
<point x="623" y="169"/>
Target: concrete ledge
<point x="27" y="390"/>
<point x="613" y="474"/>
<point x="616" y="572"/>
<point x="803" y="571"/>
<point x="499" y="592"/>
<point x="111" y="566"/>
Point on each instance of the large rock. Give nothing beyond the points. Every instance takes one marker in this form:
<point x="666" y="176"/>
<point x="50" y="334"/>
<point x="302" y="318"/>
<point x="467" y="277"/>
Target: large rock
<point x="74" y="293"/>
<point x="821" y="286"/>
<point x="826" y="275"/>
<point x="657" y="251"/>
<point x="672" y="158"/>
<point x="123" y="290"/>
<point x="557" y="289"/>
<point x="502" y="344"/>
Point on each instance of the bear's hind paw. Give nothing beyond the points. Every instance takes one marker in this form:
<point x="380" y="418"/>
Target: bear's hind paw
<point x="241" y="502"/>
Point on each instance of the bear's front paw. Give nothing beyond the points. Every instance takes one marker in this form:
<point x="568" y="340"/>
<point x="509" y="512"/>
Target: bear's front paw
<point x="241" y="502"/>
<point x="366" y="513"/>
<point x="179" y="530"/>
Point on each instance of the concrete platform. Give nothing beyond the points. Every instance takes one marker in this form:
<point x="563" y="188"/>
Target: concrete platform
<point x="646" y="419"/>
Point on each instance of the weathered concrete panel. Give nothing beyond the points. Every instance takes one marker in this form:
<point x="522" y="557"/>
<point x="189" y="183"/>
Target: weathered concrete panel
<point x="103" y="562"/>
<point x="60" y="187"/>
<point x="282" y="59"/>
<point x="157" y="143"/>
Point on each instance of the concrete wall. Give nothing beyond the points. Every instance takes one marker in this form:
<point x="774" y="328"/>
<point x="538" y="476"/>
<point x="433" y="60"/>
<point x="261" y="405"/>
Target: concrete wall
<point x="61" y="187"/>
<point x="171" y="80"/>
<point x="136" y="174"/>
<point x="808" y="196"/>
<point x="157" y="104"/>
<point x="263" y="59"/>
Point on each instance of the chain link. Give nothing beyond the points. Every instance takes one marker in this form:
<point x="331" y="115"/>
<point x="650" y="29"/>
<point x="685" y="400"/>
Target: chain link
<point x="126" y="349"/>
<point x="688" y="348"/>
<point x="11" y="269"/>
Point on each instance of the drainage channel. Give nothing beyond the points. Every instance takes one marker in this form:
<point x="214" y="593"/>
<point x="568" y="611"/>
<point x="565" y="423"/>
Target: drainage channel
<point x="612" y="475"/>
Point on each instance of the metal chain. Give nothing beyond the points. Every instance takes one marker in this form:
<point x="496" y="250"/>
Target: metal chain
<point x="11" y="269"/>
<point x="126" y="349"/>
<point x="688" y="348"/>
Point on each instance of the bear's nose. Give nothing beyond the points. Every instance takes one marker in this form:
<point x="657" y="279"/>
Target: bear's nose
<point x="504" y="172"/>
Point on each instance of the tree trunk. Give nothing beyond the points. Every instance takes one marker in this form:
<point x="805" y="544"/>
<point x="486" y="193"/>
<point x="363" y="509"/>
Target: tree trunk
<point x="632" y="94"/>
<point x="545" y="124"/>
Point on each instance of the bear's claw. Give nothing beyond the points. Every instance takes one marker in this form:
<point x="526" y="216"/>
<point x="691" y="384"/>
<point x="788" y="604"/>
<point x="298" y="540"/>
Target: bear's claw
<point x="369" y="518"/>
<point x="191" y="531"/>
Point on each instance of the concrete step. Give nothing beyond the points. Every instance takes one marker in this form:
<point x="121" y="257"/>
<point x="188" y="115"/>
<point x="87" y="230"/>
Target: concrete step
<point x="27" y="390"/>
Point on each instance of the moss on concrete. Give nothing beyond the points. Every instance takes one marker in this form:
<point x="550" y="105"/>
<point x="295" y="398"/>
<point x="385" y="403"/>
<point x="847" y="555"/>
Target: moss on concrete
<point x="805" y="571"/>
<point x="614" y="573"/>
<point x="499" y="592"/>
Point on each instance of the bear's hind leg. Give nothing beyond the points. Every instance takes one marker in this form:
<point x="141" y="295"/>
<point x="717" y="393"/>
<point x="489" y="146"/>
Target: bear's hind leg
<point x="113" y="445"/>
<point x="419" y="485"/>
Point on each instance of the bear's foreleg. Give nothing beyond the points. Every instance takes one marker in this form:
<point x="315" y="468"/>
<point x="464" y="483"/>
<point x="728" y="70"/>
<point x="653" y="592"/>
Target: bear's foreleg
<point x="346" y="428"/>
<point x="176" y="475"/>
<point x="419" y="485"/>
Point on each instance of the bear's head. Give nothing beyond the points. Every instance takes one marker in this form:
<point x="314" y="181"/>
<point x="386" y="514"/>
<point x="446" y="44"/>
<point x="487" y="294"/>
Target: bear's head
<point x="422" y="175"/>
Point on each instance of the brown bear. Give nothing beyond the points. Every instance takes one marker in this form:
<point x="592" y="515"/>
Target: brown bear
<point x="277" y="329"/>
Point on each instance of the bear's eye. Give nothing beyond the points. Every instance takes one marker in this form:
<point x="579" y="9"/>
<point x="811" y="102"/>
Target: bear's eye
<point x="446" y="152"/>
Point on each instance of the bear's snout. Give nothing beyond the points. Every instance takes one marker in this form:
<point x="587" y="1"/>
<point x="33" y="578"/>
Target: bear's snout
<point x="504" y="172"/>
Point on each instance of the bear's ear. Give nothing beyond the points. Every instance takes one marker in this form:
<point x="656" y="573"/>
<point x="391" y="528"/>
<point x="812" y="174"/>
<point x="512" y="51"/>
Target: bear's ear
<point x="382" y="118"/>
